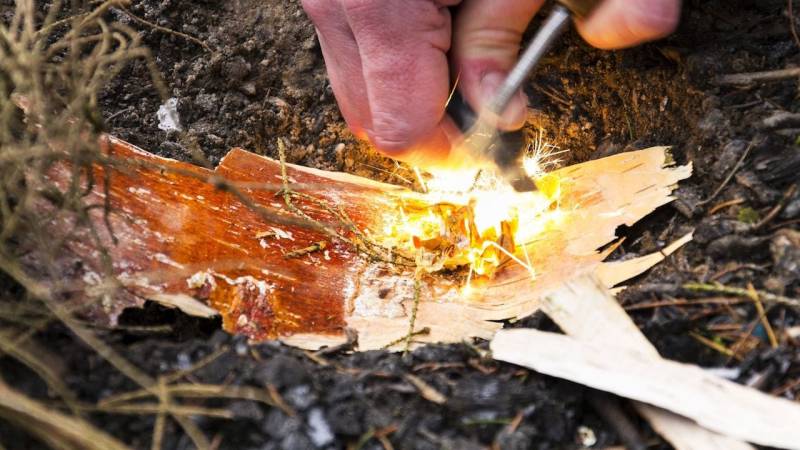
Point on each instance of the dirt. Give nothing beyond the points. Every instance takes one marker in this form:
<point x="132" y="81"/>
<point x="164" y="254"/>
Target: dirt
<point x="263" y="78"/>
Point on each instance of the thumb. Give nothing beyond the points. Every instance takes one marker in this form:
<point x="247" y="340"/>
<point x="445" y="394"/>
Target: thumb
<point x="486" y="45"/>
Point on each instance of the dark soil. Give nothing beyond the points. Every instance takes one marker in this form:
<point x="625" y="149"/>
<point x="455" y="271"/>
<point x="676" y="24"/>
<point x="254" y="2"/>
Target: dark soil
<point x="264" y="78"/>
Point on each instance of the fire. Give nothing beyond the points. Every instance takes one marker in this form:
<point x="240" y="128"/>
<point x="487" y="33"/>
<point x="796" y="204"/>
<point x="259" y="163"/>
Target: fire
<point x="472" y="219"/>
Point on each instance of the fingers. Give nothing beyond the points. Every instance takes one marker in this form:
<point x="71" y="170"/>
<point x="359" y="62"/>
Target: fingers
<point x="388" y="68"/>
<point x="343" y="62"/>
<point x="625" y="23"/>
<point x="486" y="44"/>
<point x="403" y="48"/>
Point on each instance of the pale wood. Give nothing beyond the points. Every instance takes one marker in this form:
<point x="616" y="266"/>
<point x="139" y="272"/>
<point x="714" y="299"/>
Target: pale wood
<point x="613" y="273"/>
<point x="715" y="403"/>
<point x="180" y="236"/>
<point x="584" y="310"/>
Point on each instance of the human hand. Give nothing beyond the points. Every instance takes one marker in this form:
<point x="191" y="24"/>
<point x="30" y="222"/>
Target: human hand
<point x="390" y="61"/>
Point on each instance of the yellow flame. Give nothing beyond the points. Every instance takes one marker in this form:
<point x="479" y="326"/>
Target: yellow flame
<point x="465" y="215"/>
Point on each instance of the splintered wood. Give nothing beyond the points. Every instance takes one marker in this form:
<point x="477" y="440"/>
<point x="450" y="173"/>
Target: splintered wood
<point x="185" y="237"/>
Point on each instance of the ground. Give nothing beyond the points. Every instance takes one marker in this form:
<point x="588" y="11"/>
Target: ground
<point x="261" y="77"/>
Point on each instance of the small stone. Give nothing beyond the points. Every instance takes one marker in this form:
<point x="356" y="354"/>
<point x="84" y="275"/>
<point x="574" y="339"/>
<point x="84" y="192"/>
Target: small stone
<point x="237" y="69"/>
<point x="347" y="417"/>
<point x="300" y="397"/>
<point x="780" y="120"/>
<point x="318" y="429"/>
<point x="586" y="436"/>
<point x="184" y="361"/>
<point x="244" y="409"/>
<point x="734" y="246"/>
<point x="686" y="200"/>
<point x="168" y="119"/>
<point x="296" y="441"/>
<point x="714" y="227"/>
<point x="792" y="209"/>
<point x="279" y="425"/>
<point x="785" y="252"/>
<point x="282" y="371"/>
<point x="249" y="88"/>
<point x="714" y="122"/>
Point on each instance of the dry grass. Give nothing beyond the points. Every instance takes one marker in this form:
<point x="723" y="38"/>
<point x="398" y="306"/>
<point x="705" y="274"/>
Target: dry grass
<point x="54" y="62"/>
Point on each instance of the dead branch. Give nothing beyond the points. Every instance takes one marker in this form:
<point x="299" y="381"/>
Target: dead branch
<point x="723" y="406"/>
<point x="740" y="292"/>
<point x="166" y="30"/>
<point x="787" y="196"/>
<point x="584" y="309"/>
<point x="51" y="426"/>
<point x="743" y="79"/>
<point x="41" y="368"/>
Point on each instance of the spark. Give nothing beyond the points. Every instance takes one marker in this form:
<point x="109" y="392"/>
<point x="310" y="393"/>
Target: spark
<point x="513" y="257"/>
<point x="421" y="180"/>
<point x="463" y="213"/>
<point x="468" y="285"/>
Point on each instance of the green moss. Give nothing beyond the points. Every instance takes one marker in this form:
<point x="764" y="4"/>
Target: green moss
<point x="747" y="215"/>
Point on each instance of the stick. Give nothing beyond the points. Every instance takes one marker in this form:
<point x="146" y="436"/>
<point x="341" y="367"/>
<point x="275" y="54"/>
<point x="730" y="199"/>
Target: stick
<point x="52" y="426"/>
<point x="739" y="292"/>
<point x="739" y="79"/>
<point x="713" y="402"/>
<point x="585" y="310"/>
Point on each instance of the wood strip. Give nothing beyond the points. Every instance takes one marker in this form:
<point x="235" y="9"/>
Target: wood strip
<point x="720" y="405"/>
<point x="585" y="310"/>
<point x="182" y="232"/>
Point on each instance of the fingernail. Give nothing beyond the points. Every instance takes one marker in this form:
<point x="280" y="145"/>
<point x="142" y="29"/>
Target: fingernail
<point x="513" y="116"/>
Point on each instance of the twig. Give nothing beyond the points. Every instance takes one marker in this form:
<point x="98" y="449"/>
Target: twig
<point x="43" y="293"/>
<point x="315" y="247"/>
<point x="161" y="419"/>
<point x="714" y="345"/>
<point x="427" y="391"/>
<point x="159" y="408"/>
<point x="784" y="224"/>
<point x="203" y="391"/>
<point x="277" y="400"/>
<point x="791" y="384"/>
<point x="352" y="341"/>
<point x="165" y="29"/>
<point x="729" y="177"/>
<point x="719" y="206"/>
<point x="762" y="315"/>
<point x="413" y="320"/>
<point x="202" y="362"/>
<point x="740" y="79"/>
<point x="737" y="268"/>
<point x="777" y="208"/>
<point x="52" y="426"/>
<point x="382" y="435"/>
<point x="739" y="292"/>
<point x="681" y="302"/>
<point x="420" y="332"/>
<point x="739" y="345"/>
<point x="42" y="369"/>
